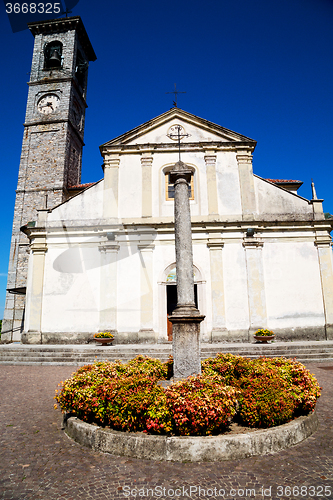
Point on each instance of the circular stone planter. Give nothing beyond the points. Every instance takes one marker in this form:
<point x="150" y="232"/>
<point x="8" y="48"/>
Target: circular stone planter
<point x="191" y="448"/>
<point x="263" y="338"/>
<point x="103" y="341"/>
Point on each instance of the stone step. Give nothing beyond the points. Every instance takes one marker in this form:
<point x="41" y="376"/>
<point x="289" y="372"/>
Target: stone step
<point x="87" y="353"/>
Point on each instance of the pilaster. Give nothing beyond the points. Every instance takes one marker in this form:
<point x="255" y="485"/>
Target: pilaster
<point x="111" y="180"/>
<point x="255" y="284"/>
<point x="146" y="333"/>
<point x="108" y="287"/>
<point x="219" y="330"/>
<point x="317" y="207"/>
<point x="146" y="164"/>
<point x="34" y="302"/>
<point x="326" y="275"/>
<point x="244" y="160"/>
<point x="210" y="160"/>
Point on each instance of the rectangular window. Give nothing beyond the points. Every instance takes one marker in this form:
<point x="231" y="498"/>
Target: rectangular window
<point x="170" y="190"/>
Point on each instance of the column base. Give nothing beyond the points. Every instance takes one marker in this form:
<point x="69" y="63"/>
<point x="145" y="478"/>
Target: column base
<point x="219" y="335"/>
<point x="147" y="336"/>
<point x="31" y="338"/>
<point x="329" y="332"/>
<point x="6" y="338"/>
<point x="186" y="341"/>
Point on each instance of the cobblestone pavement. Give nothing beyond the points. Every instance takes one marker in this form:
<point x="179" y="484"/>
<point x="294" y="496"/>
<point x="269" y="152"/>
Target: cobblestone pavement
<point x="38" y="461"/>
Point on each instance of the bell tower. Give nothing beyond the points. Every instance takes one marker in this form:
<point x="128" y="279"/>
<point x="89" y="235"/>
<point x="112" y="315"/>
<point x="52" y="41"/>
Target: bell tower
<point x="52" y="143"/>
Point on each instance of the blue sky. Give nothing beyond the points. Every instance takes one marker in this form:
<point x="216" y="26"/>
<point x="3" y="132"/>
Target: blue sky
<point x="261" y="68"/>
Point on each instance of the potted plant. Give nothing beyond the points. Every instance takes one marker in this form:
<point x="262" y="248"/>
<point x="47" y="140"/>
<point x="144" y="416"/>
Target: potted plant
<point x="263" y="335"/>
<point x="103" y="338"/>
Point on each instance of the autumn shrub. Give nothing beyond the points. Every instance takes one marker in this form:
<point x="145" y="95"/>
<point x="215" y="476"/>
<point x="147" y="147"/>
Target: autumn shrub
<point x="134" y="403"/>
<point x="86" y="393"/>
<point x="201" y="406"/>
<point x="266" y="401"/>
<point x="143" y="365"/>
<point x="83" y="394"/>
<point x="228" y="366"/>
<point x="125" y="396"/>
<point x="301" y="383"/>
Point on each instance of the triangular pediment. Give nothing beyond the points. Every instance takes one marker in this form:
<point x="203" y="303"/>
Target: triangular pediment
<point x="195" y="129"/>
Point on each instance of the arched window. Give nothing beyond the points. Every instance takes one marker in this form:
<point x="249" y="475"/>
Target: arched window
<point x="81" y="69"/>
<point x="170" y="190"/>
<point x="53" y="55"/>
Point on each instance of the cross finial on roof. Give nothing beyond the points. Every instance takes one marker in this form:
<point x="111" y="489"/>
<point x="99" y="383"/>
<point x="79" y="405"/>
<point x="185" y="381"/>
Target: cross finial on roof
<point x="314" y="194"/>
<point x="176" y="92"/>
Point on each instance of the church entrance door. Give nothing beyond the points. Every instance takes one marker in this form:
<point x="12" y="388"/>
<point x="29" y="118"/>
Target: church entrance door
<point x="171" y="291"/>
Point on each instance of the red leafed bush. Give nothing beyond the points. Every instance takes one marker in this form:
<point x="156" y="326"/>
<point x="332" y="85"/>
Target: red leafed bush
<point x="143" y="365"/>
<point x="134" y="402"/>
<point x="228" y="366"/>
<point x="201" y="406"/>
<point x="260" y="393"/>
<point x="266" y="401"/>
<point x="301" y="383"/>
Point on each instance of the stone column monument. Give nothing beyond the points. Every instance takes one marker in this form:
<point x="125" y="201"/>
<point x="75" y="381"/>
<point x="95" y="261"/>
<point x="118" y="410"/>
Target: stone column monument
<point x="185" y="318"/>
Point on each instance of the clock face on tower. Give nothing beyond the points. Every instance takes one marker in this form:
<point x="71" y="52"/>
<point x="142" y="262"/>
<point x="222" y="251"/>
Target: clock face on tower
<point x="48" y="104"/>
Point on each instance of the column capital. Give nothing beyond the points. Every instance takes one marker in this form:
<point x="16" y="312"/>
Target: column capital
<point x="145" y="246"/>
<point x="111" y="161"/>
<point x="146" y="159"/>
<point x="323" y="243"/>
<point x="215" y="244"/>
<point x="108" y="247"/>
<point x="38" y="247"/>
<point x="253" y="244"/>
<point x="210" y="157"/>
<point x="244" y="156"/>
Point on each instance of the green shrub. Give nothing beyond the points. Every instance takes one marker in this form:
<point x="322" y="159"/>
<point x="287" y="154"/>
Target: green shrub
<point x="126" y="396"/>
<point x="134" y="403"/>
<point x="88" y="394"/>
<point x="265" y="401"/>
<point x="201" y="406"/>
<point x="301" y="383"/>
<point x="228" y="366"/>
<point x="143" y="365"/>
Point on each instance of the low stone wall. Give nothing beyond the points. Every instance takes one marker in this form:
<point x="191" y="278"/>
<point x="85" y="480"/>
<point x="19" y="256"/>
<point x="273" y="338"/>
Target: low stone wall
<point x="192" y="448"/>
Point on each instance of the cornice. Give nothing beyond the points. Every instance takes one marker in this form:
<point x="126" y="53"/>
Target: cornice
<point x="168" y="147"/>
<point x="47" y="81"/>
<point x="52" y="122"/>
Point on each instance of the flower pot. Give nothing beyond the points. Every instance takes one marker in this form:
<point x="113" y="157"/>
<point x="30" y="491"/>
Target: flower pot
<point x="264" y="338"/>
<point x="103" y="341"/>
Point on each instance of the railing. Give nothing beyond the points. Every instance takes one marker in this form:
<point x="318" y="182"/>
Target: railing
<point x="11" y="330"/>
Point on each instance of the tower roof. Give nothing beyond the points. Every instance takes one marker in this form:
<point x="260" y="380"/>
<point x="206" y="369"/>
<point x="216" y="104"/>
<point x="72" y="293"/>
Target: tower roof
<point x="65" y="24"/>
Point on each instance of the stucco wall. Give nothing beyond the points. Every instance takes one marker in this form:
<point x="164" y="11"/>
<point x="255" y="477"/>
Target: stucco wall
<point x="271" y="199"/>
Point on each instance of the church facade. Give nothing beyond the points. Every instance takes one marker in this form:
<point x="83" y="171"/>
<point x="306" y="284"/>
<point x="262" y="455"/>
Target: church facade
<point x="103" y="259"/>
